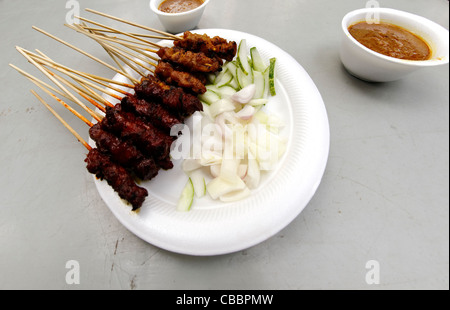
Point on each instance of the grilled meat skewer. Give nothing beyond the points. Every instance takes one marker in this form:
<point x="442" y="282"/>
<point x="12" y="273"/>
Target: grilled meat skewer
<point x="124" y="153"/>
<point x="117" y="177"/>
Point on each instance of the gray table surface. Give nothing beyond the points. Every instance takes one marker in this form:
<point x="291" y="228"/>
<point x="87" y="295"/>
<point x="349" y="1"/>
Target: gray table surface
<point x="384" y="195"/>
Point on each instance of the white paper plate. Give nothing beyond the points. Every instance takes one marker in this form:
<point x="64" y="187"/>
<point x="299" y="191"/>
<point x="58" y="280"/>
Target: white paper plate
<point x="213" y="227"/>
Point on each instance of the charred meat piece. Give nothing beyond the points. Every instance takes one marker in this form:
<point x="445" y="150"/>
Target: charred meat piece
<point x="124" y="153"/>
<point x="152" y="112"/>
<point x="117" y="177"/>
<point x="212" y="47"/>
<point x="173" y="98"/>
<point x="192" y="62"/>
<point x="188" y="81"/>
<point x="151" y="141"/>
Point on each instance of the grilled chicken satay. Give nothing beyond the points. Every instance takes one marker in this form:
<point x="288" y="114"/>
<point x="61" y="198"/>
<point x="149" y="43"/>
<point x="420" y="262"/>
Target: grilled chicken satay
<point x="193" y="62"/>
<point x="165" y="71"/>
<point x="173" y="98"/>
<point x="117" y="177"/>
<point x="151" y="141"/>
<point x="150" y="111"/>
<point x="124" y="153"/>
<point x="211" y="47"/>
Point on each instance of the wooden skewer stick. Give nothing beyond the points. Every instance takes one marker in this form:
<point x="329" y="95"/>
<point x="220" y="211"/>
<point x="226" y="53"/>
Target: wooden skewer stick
<point x="92" y="77"/>
<point x="68" y="107"/>
<point x="125" y="42"/>
<point x="78" y="90"/>
<point x="81" y="91"/>
<point x="118" y="50"/>
<point x="33" y="78"/>
<point x="41" y="68"/>
<point x="79" y="138"/>
<point x="133" y="24"/>
<point x="77" y="78"/>
<point x="119" y="31"/>
<point x="150" y="36"/>
<point x="133" y="80"/>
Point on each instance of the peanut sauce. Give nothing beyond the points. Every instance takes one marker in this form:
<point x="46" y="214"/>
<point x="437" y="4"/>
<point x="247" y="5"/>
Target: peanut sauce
<point x="179" y="6"/>
<point x="391" y="40"/>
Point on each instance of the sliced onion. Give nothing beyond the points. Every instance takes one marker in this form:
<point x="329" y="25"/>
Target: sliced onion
<point x="245" y="95"/>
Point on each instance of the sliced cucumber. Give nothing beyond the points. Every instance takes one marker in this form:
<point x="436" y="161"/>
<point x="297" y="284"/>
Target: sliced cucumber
<point x="243" y="80"/>
<point x="227" y="91"/>
<point x="259" y="81"/>
<point x="258" y="64"/>
<point x="272" y="76"/>
<point x="242" y="57"/>
<point x="209" y="97"/>
<point x="198" y="181"/>
<point x="224" y="78"/>
<point x="186" y="198"/>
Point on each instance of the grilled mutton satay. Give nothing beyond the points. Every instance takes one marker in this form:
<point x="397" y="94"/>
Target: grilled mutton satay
<point x="186" y="80"/>
<point x="192" y="62"/>
<point x="117" y="177"/>
<point x="151" y="141"/>
<point x="150" y="111"/>
<point x="173" y="98"/>
<point x="124" y="153"/>
<point x="211" y="47"/>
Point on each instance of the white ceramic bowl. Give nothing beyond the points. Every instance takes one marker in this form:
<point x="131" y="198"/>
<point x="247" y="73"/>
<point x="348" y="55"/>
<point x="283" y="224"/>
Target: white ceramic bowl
<point x="368" y="65"/>
<point x="178" y="22"/>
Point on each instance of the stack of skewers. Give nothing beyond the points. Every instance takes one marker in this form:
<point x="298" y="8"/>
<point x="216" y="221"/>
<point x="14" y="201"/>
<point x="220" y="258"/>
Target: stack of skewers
<point x="132" y="137"/>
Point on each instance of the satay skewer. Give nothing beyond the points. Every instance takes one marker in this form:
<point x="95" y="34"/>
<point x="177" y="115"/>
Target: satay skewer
<point x="79" y="138"/>
<point x="132" y="79"/>
<point x="64" y="70"/>
<point x="103" y="167"/>
<point x="119" y="31"/>
<point x="150" y="36"/>
<point x="133" y="24"/>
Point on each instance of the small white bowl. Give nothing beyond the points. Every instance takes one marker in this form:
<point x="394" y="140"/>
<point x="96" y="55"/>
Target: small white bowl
<point x="371" y="66"/>
<point x="178" y="22"/>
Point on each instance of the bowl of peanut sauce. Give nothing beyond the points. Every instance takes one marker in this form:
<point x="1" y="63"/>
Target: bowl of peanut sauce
<point x="179" y="15"/>
<point x="383" y="45"/>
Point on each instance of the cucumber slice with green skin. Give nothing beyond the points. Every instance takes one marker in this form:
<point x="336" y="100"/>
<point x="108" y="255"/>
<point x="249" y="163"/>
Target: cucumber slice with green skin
<point x="243" y="79"/>
<point x="224" y="79"/>
<point x="198" y="181"/>
<point x="209" y="97"/>
<point x="257" y="62"/>
<point x="227" y="91"/>
<point x="272" y="77"/>
<point x="186" y="198"/>
<point x="259" y="82"/>
<point x="242" y="57"/>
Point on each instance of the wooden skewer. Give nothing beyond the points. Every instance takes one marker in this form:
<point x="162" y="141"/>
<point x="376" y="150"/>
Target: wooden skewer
<point x="133" y="24"/>
<point x="33" y="78"/>
<point x="79" y="138"/>
<point x="137" y="46"/>
<point x="118" y="31"/>
<point x="133" y="80"/>
<point x="86" y="90"/>
<point x="92" y="77"/>
<point x="132" y="33"/>
<point x="41" y="68"/>
<point x="79" y="91"/>
<point x="68" y="107"/>
<point x="117" y="50"/>
<point x="77" y="78"/>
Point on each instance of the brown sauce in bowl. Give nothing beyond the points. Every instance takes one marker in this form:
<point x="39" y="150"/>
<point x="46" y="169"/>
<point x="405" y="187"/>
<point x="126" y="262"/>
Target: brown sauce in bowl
<point x="179" y="6"/>
<point x="391" y="40"/>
